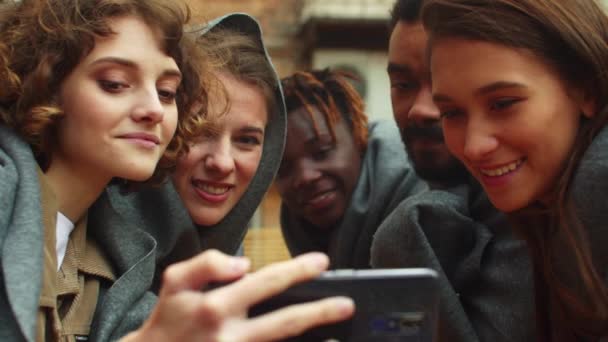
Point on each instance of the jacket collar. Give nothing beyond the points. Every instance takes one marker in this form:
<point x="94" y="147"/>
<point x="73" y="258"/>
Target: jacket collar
<point x="132" y="253"/>
<point x="21" y="230"/>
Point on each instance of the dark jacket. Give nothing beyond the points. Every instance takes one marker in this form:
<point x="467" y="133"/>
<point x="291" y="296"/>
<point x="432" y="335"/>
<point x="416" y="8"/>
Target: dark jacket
<point x="486" y="287"/>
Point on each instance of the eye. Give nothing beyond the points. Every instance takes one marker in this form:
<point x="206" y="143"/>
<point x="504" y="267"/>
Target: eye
<point x="322" y="152"/>
<point x="249" y="140"/>
<point x="112" y="86"/>
<point x="403" y="85"/>
<point x="167" y="96"/>
<point x="449" y="113"/>
<point x="504" y="103"/>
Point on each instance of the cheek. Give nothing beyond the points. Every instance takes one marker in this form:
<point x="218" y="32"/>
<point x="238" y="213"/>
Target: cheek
<point x="281" y="185"/>
<point x="247" y="164"/>
<point x="187" y="164"/>
<point x="170" y="123"/>
<point x="453" y="135"/>
<point x="401" y="108"/>
<point x="351" y="168"/>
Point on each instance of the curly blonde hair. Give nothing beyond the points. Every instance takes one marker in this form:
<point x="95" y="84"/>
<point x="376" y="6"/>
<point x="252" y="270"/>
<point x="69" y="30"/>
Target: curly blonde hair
<point x="43" y="41"/>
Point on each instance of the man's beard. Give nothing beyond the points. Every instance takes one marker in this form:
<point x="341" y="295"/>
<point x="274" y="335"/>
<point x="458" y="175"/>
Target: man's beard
<point x="449" y="173"/>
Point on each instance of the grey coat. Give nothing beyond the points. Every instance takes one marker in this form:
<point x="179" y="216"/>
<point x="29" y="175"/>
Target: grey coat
<point x="486" y="287"/>
<point x="123" y="305"/>
<point x="160" y="211"/>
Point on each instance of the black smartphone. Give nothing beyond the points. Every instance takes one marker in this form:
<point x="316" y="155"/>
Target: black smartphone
<point x="391" y="305"/>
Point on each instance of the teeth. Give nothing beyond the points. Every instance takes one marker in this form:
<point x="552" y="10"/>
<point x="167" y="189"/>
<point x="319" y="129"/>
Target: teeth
<point x="215" y="190"/>
<point x="502" y="170"/>
<point x="319" y="198"/>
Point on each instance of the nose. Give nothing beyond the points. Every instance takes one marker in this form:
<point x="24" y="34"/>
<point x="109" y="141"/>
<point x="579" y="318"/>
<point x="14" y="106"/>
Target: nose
<point x="423" y="110"/>
<point x="305" y="173"/>
<point x="480" y="140"/>
<point x="149" y="108"/>
<point x="219" y="157"/>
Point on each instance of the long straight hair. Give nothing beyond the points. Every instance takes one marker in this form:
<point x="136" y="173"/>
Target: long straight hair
<point x="571" y="36"/>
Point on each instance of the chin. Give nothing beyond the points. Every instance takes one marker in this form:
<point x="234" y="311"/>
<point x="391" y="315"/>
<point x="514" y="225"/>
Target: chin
<point x="204" y="219"/>
<point x="139" y="171"/>
<point x="139" y="175"/>
<point x="507" y="206"/>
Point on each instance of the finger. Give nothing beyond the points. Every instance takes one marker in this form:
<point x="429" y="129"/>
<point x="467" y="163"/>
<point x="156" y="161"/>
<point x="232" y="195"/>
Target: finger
<point x="295" y="319"/>
<point x="272" y="280"/>
<point x="196" y="272"/>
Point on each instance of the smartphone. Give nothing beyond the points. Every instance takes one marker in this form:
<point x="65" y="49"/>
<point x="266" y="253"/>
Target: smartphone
<point x="391" y="305"/>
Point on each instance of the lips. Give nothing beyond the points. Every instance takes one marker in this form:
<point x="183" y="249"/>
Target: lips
<point x="212" y="191"/>
<point x="502" y="170"/>
<point x="320" y="200"/>
<point x="143" y="139"/>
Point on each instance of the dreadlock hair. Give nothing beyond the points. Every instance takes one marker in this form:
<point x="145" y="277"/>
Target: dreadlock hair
<point x="330" y="93"/>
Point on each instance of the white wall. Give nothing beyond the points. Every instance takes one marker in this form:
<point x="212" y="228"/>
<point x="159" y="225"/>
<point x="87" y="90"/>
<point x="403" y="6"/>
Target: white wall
<point x="372" y="66"/>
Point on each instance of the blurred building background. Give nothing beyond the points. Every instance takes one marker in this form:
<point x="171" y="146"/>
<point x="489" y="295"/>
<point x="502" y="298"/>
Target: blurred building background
<point x="304" y="34"/>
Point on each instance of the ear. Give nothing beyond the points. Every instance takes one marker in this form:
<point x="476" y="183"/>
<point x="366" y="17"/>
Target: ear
<point x="587" y="103"/>
<point x="588" y="108"/>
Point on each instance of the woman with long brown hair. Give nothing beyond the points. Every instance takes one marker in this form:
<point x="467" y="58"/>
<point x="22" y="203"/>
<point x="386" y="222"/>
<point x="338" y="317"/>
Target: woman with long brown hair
<point x="521" y="86"/>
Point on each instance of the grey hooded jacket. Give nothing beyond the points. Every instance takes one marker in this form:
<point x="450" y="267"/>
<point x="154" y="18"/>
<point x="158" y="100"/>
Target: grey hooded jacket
<point x="160" y="211"/>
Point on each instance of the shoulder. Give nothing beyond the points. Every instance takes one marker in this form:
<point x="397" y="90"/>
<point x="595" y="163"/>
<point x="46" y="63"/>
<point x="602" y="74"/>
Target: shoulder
<point x="385" y="130"/>
<point x="384" y="146"/>
<point x="591" y="177"/>
<point x="590" y="183"/>
<point x="17" y="162"/>
<point x="19" y="185"/>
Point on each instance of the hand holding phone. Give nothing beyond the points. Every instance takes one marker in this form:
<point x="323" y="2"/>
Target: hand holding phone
<point x="183" y="312"/>
<point x="391" y="304"/>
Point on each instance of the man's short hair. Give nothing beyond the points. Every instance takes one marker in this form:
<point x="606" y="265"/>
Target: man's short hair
<point x="405" y="10"/>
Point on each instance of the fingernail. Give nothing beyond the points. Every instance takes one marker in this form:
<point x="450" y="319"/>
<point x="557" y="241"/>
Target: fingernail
<point x="345" y="306"/>
<point x="240" y="265"/>
<point x="318" y="261"/>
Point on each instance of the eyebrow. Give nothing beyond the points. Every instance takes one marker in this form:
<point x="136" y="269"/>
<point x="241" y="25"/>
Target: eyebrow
<point x="398" y="68"/>
<point x="487" y="89"/>
<point x="132" y="65"/>
<point x="252" y="129"/>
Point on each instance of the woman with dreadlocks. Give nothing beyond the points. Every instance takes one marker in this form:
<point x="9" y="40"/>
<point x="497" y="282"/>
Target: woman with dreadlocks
<point x="339" y="177"/>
